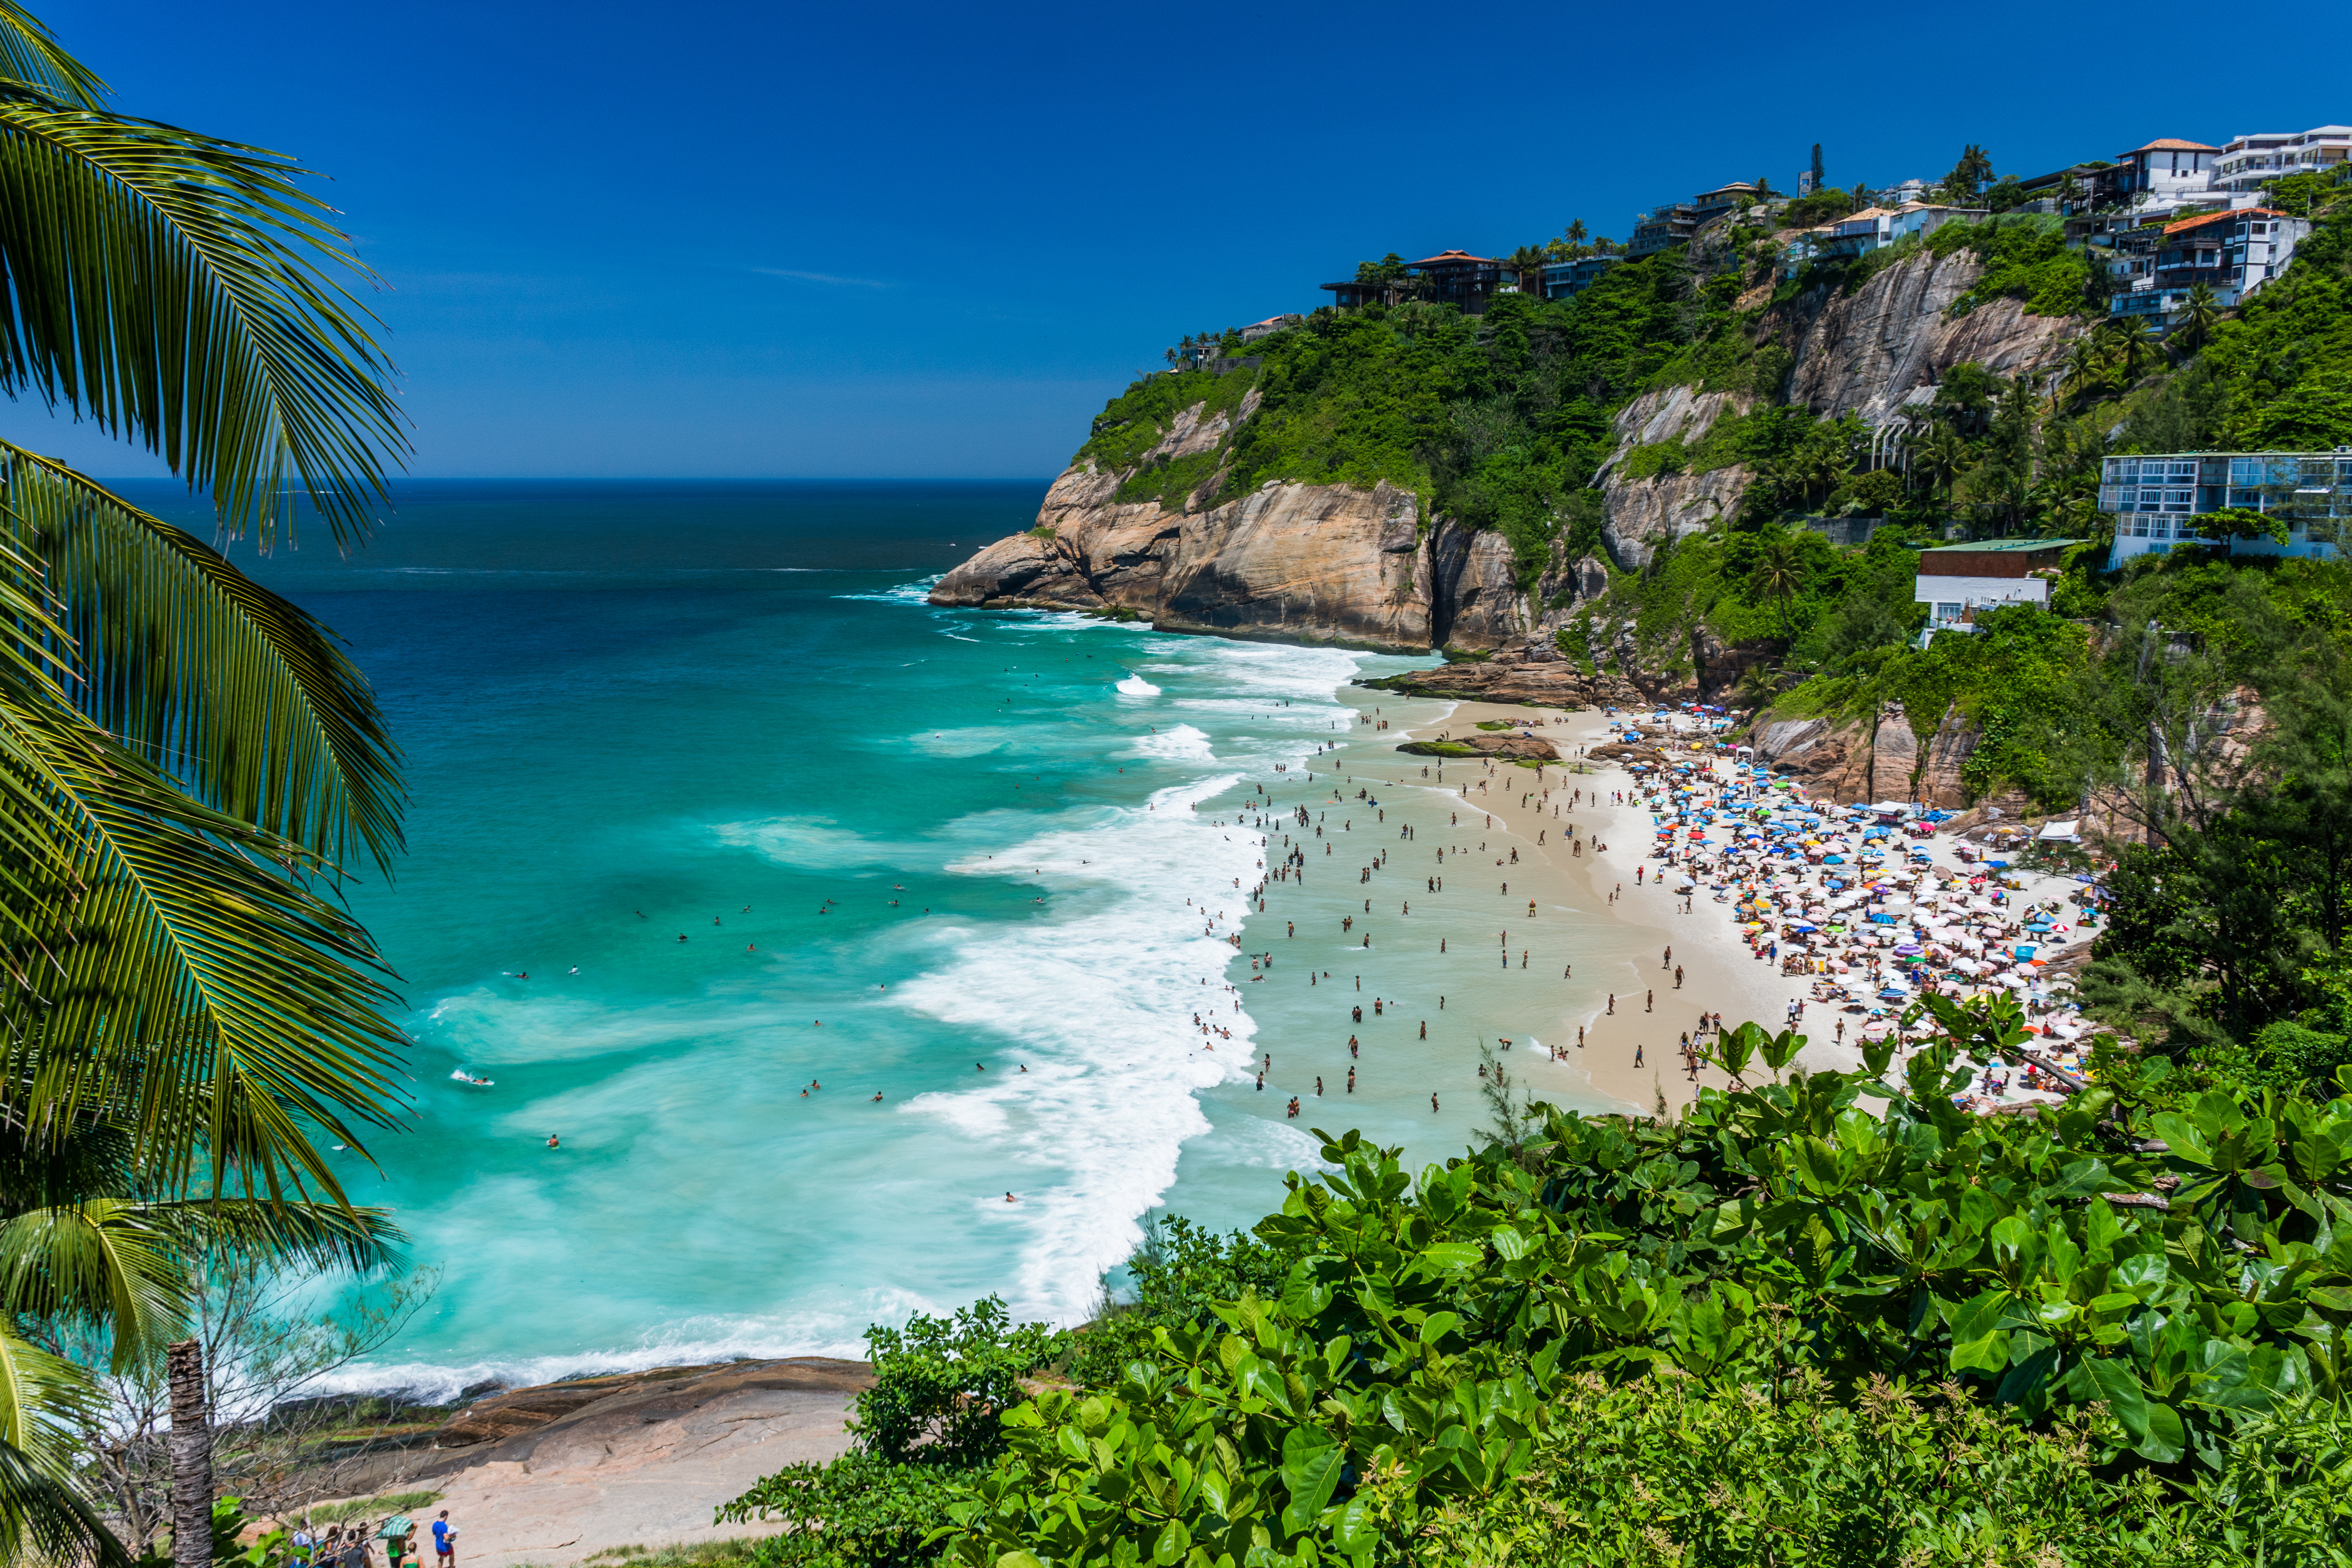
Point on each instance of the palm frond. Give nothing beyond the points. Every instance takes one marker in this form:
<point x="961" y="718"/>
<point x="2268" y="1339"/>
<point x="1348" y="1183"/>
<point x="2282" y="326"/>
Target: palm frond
<point x="108" y="1261"/>
<point x="244" y="699"/>
<point x="313" y="1236"/>
<point x="185" y="292"/>
<point x="31" y="55"/>
<point x="187" y="979"/>
<point x="41" y="1515"/>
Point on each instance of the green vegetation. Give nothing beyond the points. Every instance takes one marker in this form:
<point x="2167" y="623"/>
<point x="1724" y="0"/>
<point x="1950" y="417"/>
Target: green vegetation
<point x="1831" y="1317"/>
<point x="1494" y="725"/>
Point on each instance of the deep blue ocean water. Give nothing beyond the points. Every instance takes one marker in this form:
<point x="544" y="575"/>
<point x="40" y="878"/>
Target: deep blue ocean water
<point x="985" y="866"/>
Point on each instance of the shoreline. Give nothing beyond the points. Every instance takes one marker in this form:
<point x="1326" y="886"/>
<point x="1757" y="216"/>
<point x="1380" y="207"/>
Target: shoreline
<point x="1719" y="974"/>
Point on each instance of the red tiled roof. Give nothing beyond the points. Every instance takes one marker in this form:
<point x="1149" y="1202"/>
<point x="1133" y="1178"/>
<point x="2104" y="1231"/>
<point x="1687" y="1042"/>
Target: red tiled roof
<point x="1455" y="258"/>
<point x="2222" y="217"/>
<point x="2170" y="144"/>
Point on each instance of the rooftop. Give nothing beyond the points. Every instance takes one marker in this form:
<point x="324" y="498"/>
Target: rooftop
<point x="1984" y="545"/>
<point x="2169" y="144"/>
<point x="2224" y="216"/>
<point x="1455" y="258"/>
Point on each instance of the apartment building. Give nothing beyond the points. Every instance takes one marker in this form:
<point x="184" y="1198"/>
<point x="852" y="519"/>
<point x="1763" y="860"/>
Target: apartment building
<point x="2250" y="163"/>
<point x="2156" y="500"/>
<point x="2233" y="253"/>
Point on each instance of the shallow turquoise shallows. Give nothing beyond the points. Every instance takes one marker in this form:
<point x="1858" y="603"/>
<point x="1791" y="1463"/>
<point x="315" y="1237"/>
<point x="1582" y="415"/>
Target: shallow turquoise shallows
<point x="717" y="831"/>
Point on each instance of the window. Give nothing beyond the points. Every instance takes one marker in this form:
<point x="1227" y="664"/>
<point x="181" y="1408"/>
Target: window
<point x="1947" y="612"/>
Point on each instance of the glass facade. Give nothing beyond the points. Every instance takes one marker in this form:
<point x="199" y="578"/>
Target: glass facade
<point x="2152" y="497"/>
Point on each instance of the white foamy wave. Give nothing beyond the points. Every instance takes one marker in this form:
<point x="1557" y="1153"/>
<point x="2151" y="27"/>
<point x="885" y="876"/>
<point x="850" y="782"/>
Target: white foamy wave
<point x="1100" y="1000"/>
<point x="917" y="593"/>
<point x="812" y="842"/>
<point x="1135" y="686"/>
<point x="1182" y="744"/>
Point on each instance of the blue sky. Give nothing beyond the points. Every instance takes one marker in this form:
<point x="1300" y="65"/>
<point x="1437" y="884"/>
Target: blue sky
<point x="918" y="240"/>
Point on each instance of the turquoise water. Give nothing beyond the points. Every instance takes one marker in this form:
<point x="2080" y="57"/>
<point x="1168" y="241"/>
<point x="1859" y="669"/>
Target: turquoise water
<point x="912" y="852"/>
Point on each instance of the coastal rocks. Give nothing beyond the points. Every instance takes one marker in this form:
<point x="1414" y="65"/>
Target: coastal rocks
<point x="1502" y="747"/>
<point x="1845" y="763"/>
<point x="516" y="1412"/>
<point x="1310" y="563"/>
<point x="1534" y="673"/>
<point x="1866" y="351"/>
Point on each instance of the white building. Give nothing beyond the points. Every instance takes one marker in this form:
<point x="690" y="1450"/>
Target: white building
<point x="2250" y="163"/>
<point x="2156" y="499"/>
<point x="1956" y="581"/>
<point x="2162" y="172"/>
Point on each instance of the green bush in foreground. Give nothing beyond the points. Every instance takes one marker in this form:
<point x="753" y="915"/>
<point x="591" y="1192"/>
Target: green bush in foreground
<point x="1787" y="1328"/>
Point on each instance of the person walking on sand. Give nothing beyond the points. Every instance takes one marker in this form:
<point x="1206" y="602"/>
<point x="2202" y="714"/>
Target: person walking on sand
<point x="1679" y="976"/>
<point x="1613" y="1003"/>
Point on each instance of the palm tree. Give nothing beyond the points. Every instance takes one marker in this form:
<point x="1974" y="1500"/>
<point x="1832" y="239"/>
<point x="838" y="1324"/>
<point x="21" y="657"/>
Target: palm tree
<point x="1779" y="574"/>
<point x="1528" y="261"/>
<point x="1942" y="459"/>
<point x="189" y="763"/>
<point x="2198" y="315"/>
<point x="2133" y="340"/>
<point x="1575" y="234"/>
<point x="2083" y="366"/>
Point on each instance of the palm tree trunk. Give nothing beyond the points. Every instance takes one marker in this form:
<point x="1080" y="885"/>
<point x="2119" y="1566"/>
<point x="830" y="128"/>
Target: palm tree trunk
<point x="192" y="1458"/>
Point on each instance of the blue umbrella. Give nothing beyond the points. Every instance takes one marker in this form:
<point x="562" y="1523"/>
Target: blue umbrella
<point x="1832" y="860"/>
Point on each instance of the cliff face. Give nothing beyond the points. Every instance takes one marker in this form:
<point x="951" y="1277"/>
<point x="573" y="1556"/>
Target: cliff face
<point x="1864" y="353"/>
<point x="1297" y="563"/>
<point x="1638" y="515"/>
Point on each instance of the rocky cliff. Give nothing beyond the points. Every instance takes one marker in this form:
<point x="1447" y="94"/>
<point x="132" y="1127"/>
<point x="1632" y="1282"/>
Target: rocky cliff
<point x="1369" y="568"/>
<point x="1293" y="563"/>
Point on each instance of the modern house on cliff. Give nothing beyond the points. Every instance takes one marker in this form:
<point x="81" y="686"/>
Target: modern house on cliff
<point x="2156" y="499"/>
<point x="1449" y="278"/>
<point x="1958" y="580"/>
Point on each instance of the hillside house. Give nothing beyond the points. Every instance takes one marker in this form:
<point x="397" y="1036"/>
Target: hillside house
<point x="1956" y="581"/>
<point x="1564" y="280"/>
<point x="2233" y="253"/>
<point x="2156" y="500"/>
<point x="2250" y="163"/>
<point x="1449" y="278"/>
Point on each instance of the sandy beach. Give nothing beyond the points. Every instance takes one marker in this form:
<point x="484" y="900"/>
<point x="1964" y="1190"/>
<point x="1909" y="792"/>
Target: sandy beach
<point x="1630" y="1056"/>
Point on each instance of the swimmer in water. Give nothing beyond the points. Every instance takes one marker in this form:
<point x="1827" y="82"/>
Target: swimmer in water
<point x="1010" y="1198"/>
<point x="554" y="1142"/>
<point x="877" y="1099"/>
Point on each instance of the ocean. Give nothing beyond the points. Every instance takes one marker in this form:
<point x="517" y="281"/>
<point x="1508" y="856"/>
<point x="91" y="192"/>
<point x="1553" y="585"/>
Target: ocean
<point x="817" y="921"/>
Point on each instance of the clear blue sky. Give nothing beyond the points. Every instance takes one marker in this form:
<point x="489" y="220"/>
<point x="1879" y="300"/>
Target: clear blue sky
<point x="917" y="240"/>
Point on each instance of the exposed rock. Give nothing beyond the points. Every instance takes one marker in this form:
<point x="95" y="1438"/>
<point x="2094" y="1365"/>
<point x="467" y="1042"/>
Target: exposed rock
<point x="1503" y="746"/>
<point x="522" y="1410"/>
<point x="1296" y="563"/>
<point x="1837" y="760"/>
<point x="1640" y="514"/>
<point x="1864" y="353"/>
